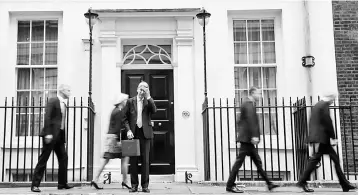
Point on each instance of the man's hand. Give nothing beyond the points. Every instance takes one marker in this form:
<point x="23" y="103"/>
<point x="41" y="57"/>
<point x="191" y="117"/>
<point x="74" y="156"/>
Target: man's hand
<point x="255" y="140"/>
<point x="333" y="142"/>
<point x="130" y="134"/>
<point x="147" y="93"/>
<point x="48" y="139"/>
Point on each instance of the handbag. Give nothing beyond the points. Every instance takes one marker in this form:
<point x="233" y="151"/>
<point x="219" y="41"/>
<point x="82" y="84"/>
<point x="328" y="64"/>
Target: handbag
<point x="131" y="147"/>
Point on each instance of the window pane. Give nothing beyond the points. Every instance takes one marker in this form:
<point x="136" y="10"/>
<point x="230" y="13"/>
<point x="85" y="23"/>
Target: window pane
<point x="37" y="31"/>
<point x="156" y="50"/>
<point x="269" y="52"/>
<point x="269" y="123"/>
<point x="23" y="31"/>
<point x="51" y="53"/>
<point x="253" y="30"/>
<point x="22" y="99"/>
<point x="255" y="77"/>
<point x="23" y="78"/>
<point x="254" y="53"/>
<point x="239" y="30"/>
<point x="51" y="30"/>
<point x="240" y="53"/>
<point x="268" y="30"/>
<point x="37" y="52"/>
<point x="269" y="97"/>
<point x="37" y="95"/>
<point x="37" y="78"/>
<point x="35" y="124"/>
<point x="23" y="54"/>
<point x="22" y="121"/>
<point x="269" y="77"/>
<point x="51" y="78"/>
<point x="240" y="78"/>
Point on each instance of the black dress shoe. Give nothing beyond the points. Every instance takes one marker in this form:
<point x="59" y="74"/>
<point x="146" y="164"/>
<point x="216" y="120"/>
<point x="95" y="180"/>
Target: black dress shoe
<point x="35" y="189"/>
<point x="133" y="190"/>
<point x="234" y="189"/>
<point x="271" y="186"/>
<point x="304" y="187"/>
<point x="146" y="190"/>
<point x="61" y="187"/>
<point x="348" y="187"/>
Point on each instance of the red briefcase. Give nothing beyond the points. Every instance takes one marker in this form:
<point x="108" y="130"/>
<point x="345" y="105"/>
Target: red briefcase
<point x="131" y="147"/>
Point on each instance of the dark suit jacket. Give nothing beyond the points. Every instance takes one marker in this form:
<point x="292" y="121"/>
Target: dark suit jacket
<point x="148" y="109"/>
<point x="320" y="125"/>
<point x="53" y="118"/>
<point x="248" y="125"/>
<point x="118" y="122"/>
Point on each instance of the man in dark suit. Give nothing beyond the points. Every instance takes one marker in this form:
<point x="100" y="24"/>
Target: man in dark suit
<point x="53" y="135"/>
<point x="140" y="109"/>
<point x="321" y="132"/>
<point x="248" y="138"/>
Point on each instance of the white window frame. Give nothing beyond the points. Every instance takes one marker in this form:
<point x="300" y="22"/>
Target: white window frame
<point x="260" y="15"/>
<point x="15" y="17"/>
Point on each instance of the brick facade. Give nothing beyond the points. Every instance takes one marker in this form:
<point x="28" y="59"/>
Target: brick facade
<point x="345" y="18"/>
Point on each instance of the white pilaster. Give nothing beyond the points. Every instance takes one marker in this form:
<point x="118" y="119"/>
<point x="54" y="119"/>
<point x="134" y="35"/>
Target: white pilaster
<point x="185" y="150"/>
<point x="108" y="88"/>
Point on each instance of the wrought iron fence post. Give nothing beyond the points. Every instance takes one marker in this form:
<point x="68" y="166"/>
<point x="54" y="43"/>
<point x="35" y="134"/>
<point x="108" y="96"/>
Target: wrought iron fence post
<point x="207" y="163"/>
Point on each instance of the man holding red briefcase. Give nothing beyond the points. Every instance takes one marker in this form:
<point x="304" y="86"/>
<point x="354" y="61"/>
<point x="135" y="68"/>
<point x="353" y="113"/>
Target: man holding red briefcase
<point x="140" y="109"/>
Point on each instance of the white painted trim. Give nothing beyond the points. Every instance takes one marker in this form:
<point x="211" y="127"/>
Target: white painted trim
<point x="147" y="14"/>
<point x="164" y="34"/>
<point x="143" y="66"/>
<point x="108" y="41"/>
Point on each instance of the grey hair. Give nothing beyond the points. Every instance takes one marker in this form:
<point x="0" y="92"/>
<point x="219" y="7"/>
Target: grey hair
<point x="63" y="87"/>
<point x="142" y="83"/>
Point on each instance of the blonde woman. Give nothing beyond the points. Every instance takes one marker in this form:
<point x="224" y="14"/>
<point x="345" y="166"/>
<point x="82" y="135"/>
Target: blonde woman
<point x="118" y="129"/>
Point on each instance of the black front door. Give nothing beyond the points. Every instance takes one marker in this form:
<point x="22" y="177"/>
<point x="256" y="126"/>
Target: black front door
<point x="162" y="155"/>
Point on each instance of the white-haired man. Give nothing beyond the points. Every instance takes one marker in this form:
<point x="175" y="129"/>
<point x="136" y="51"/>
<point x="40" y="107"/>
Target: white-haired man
<point x="322" y="134"/>
<point x="140" y="109"/>
<point x="53" y="135"/>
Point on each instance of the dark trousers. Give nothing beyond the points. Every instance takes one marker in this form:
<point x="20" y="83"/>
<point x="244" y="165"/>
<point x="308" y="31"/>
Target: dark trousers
<point x="246" y="149"/>
<point x="58" y="146"/>
<point x="144" y="158"/>
<point x="314" y="160"/>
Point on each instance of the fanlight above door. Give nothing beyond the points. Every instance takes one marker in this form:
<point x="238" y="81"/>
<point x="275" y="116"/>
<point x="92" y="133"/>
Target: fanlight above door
<point x="146" y="54"/>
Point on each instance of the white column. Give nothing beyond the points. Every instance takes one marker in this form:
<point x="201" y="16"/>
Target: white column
<point x="107" y="89"/>
<point x="185" y="150"/>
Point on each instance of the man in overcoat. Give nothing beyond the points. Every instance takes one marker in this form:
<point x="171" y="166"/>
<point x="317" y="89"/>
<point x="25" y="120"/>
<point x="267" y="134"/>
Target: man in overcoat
<point x="53" y="135"/>
<point x="248" y="138"/>
<point x="322" y="134"/>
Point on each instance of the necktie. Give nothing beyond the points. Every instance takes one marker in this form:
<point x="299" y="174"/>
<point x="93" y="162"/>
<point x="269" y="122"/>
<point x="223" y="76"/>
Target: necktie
<point x="139" y="114"/>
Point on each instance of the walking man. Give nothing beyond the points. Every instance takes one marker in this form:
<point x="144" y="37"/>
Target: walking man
<point x="140" y="109"/>
<point x="248" y="138"/>
<point x="53" y="135"/>
<point x="321" y="133"/>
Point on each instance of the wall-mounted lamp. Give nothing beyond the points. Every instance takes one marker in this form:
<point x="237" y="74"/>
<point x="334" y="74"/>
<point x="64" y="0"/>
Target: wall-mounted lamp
<point x="308" y="61"/>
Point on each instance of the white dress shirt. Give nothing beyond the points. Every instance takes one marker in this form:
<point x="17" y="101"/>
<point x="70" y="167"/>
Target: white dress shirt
<point x="139" y="111"/>
<point x="63" y="111"/>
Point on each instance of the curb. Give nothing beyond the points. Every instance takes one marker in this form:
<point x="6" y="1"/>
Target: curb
<point x="313" y="184"/>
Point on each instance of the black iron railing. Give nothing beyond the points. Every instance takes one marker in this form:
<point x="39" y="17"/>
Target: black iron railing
<point x="21" y="144"/>
<point x="283" y="147"/>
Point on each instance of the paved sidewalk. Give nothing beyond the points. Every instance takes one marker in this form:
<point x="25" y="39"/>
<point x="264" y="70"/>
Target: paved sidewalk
<point x="171" y="189"/>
